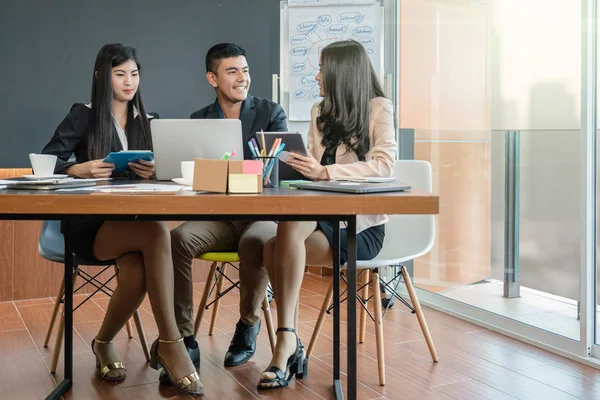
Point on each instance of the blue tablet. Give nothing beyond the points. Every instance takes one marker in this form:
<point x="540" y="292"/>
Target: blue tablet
<point x="122" y="158"/>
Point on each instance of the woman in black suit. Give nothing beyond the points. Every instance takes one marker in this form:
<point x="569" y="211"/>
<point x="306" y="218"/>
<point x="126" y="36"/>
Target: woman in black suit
<point x="116" y="120"/>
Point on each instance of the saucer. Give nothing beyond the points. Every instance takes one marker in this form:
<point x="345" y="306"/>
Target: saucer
<point x="181" y="181"/>
<point x="40" y="177"/>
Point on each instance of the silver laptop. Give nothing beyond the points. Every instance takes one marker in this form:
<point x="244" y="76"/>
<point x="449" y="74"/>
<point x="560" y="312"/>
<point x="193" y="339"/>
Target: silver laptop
<point x="353" y="187"/>
<point x="177" y="140"/>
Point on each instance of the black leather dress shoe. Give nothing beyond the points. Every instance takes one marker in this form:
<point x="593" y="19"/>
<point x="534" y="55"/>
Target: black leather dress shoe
<point x="194" y="356"/>
<point x="243" y="344"/>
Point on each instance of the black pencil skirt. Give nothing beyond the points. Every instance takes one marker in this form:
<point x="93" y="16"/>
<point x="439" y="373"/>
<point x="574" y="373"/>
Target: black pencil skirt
<point x="368" y="242"/>
<point x="82" y="235"/>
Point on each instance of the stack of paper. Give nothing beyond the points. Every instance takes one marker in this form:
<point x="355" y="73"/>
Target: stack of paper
<point x="138" y="188"/>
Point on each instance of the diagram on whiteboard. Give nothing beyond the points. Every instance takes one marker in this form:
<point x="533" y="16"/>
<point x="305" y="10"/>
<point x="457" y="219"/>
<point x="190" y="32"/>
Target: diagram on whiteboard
<point x="310" y="30"/>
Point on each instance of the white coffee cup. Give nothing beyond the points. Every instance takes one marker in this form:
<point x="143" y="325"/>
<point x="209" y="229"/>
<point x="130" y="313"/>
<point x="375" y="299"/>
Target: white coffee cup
<point x="42" y="164"/>
<point x="187" y="170"/>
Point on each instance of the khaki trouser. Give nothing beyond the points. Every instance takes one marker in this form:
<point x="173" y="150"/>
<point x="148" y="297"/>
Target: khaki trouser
<point x="196" y="237"/>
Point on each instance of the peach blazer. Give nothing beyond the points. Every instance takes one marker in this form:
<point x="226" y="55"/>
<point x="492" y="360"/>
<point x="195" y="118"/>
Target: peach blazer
<point x="379" y="161"/>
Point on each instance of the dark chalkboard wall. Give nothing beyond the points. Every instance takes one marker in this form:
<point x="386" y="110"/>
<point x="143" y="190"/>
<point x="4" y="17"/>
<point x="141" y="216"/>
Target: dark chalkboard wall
<point x="48" y="48"/>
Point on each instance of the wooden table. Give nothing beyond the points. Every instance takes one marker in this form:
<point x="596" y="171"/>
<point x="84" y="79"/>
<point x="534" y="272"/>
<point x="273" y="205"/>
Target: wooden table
<point x="274" y="204"/>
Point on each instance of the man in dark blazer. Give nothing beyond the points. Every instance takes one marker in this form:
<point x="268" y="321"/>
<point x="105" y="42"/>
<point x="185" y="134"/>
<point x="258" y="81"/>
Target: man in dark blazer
<point x="227" y="71"/>
<point x="256" y="114"/>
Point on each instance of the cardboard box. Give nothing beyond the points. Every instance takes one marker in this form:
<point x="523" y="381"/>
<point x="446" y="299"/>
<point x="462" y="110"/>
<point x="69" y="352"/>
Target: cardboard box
<point x="221" y="176"/>
<point x="210" y="175"/>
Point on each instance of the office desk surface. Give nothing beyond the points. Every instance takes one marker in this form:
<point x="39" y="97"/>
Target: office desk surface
<point x="280" y="204"/>
<point x="280" y="201"/>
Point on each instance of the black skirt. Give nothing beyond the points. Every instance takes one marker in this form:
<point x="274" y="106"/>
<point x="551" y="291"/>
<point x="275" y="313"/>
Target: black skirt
<point x="82" y="235"/>
<point x="368" y="242"/>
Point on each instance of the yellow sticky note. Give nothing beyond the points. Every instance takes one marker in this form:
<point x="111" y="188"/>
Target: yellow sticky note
<point x="245" y="183"/>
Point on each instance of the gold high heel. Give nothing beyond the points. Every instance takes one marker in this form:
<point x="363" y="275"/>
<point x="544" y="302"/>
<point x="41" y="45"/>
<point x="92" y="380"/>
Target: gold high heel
<point x="115" y="366"/>
<point x="156" y="363"/>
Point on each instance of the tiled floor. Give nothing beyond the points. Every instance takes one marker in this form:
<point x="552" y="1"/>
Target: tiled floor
<point x="475" y="363"/>
<point x="553" y="313"/>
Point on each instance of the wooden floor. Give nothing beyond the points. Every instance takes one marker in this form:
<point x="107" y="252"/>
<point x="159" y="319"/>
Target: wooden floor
<point x="475" y="363"/>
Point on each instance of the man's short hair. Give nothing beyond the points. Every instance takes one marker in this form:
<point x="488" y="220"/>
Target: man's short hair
<point x="220" y="51"/>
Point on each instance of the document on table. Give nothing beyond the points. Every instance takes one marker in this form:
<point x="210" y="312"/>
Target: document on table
<point x="19" y="180"/>
<point x="136" y="188"/>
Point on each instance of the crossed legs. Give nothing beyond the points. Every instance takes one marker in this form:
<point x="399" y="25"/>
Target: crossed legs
<point x="143" y="252"/>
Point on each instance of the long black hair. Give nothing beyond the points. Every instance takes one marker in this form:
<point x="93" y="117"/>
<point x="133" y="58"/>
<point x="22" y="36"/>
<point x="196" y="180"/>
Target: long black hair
<point x="102" y="129"/>
<point x="349" y="84"/>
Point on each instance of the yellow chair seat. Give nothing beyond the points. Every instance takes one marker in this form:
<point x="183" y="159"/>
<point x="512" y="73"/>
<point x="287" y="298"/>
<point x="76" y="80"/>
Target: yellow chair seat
<point x="220" y="256"/>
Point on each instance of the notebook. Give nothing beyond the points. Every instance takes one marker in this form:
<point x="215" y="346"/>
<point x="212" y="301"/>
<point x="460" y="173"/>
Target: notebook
<point x="353" y="187"/>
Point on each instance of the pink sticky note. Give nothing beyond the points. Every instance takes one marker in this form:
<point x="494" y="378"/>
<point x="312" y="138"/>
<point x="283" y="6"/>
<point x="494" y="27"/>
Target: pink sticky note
<point x="253" y="167"/>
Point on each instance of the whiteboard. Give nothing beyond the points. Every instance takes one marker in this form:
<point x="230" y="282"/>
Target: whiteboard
<point x="306" y="30"/>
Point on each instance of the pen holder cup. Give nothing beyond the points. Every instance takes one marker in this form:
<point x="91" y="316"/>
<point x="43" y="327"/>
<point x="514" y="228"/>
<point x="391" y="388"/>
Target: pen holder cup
<point x="270" y="171"/>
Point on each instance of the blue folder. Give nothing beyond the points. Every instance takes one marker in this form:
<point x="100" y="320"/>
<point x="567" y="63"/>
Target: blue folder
<point x="122" y="158"/>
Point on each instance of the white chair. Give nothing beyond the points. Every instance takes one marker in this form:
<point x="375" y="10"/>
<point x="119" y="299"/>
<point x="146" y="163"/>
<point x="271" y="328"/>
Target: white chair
<point x="406" y="238"/>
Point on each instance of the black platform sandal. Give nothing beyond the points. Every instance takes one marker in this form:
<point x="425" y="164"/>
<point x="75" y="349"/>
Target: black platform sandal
<point x="297" y="365"/>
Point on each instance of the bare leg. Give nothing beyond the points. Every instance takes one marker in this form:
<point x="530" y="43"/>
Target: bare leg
<point x="126" y="298"/>
<point x="153" y="241"/>
<point x="285" y="263"/>
<point x="268" y="260"/>
<point x="253" y="276"/>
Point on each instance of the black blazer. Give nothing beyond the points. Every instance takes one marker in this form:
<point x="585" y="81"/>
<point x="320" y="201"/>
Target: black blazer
<point x="71" y="138"/>
<point x="256" y="114"/>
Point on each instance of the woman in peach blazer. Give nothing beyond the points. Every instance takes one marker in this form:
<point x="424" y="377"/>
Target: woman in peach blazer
<point x="351" y="134"/>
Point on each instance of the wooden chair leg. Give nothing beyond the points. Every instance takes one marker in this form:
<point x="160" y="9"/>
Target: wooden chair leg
<point x="215" y="312"/>
<point x="128" y="327"/>
<point x="363" y="313"/>
<point x="319" y="324"/>
<point x="55" y="312"/>
<point x="61" y="331"/>
<point x="417" y="306"/>
<point x="141" y="334"/>
<point x="58" y="344"/>
<point x="269" y="322"/>
<point x="128" y="324"/>
<point x="379" y="329"/>
<point x="204" y="300"/>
